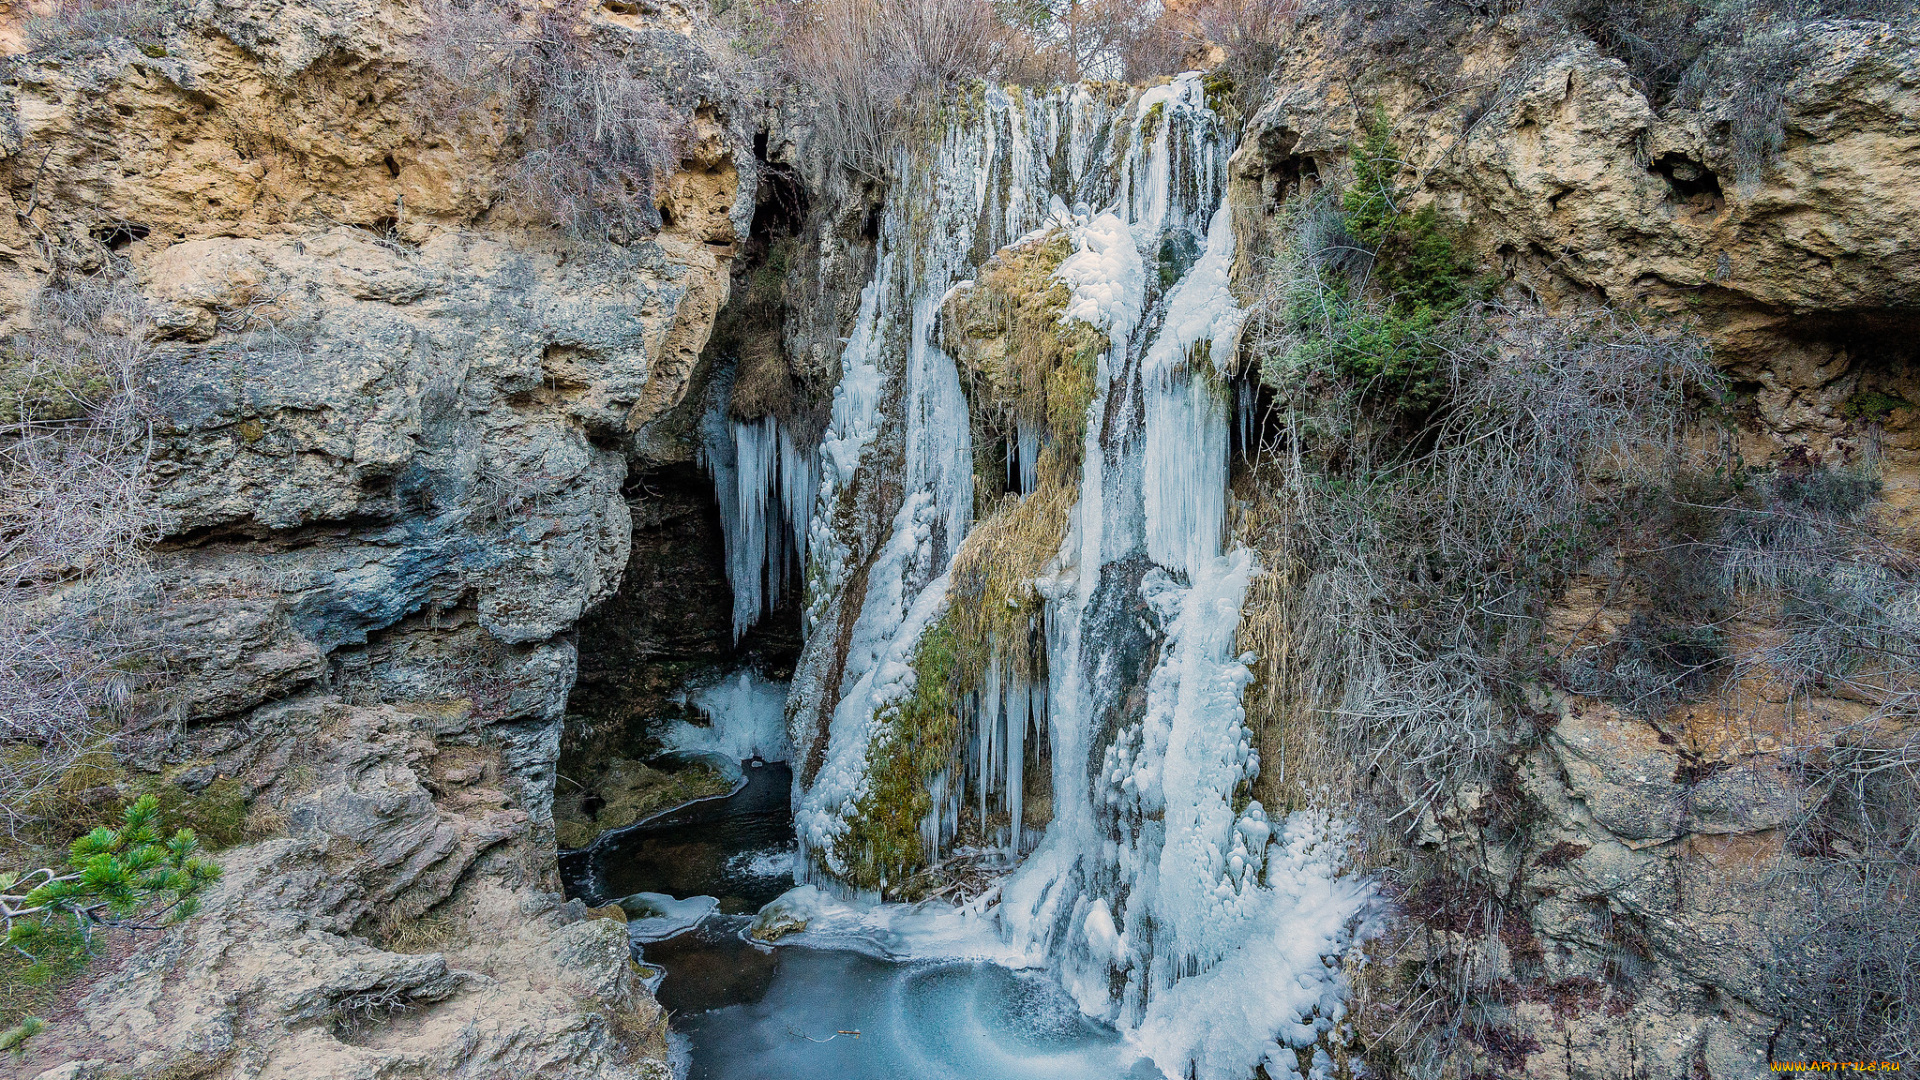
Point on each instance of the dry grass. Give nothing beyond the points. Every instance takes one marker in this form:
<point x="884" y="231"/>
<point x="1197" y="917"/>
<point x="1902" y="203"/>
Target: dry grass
<point x="68" y="23"/>
<point x="628" y="792"/>
<point x="994" y="608"/>
<point x="75" y="514"/>
<point x="1026" y="371"/>
<point x="1300" y="756"/>
<point x="589" y="139"/>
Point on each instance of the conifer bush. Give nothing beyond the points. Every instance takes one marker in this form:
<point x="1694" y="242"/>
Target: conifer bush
<point x="132" y="877"/>
<point x="113" y="877"/>
<point x="1375" y="291"/>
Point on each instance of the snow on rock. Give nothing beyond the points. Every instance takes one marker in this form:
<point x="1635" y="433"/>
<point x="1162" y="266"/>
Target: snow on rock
<point x="658" y="916"/>
<point x="1105" y="276"/>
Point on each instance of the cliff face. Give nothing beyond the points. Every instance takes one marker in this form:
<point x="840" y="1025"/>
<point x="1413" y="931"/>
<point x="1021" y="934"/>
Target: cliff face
<point x="392" y="437"/>
<point x="1642" y="863"/>
<point x="1572" y="187"/>
<point x="399" y="434"/>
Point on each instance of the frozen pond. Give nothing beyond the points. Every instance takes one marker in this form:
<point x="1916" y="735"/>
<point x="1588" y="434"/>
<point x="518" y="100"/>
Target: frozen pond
<point x="929" y="1020"/>
<point x="746" y="1011"/>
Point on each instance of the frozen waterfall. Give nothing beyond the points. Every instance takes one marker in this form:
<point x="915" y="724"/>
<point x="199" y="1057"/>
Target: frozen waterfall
<point x="1162" y="898"/>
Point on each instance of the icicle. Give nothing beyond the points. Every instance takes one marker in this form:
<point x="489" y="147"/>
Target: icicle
<point x="1246" y="396"/>
<point x="1019" y="705"/>
<point x="933" y="831"/>
<point x="1186" y="464"/>
<point x="1027" y="457"/>
<point x="799" y="486"/>
<point x="989" y="723"/>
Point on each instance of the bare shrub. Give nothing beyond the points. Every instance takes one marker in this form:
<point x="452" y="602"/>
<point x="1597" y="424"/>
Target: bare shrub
<point x="72" y="22"/>
<point x="869" y="62"/>
<point x="1110" y="39"/>
<point x="1805" y="556"/>
<point x="1250" y="34"/>
<point x="75" y="514"/>
<point x="591" y="138"/>
<point x="1848" y="982"/>
<point x="1431" y="567"/>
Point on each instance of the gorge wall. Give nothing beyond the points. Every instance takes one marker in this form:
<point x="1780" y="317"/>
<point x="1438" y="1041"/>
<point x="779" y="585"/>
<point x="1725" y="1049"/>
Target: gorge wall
<point x="1628" y="887"/>
<point x="391" y="460"/>
<point x="429" y="474"/>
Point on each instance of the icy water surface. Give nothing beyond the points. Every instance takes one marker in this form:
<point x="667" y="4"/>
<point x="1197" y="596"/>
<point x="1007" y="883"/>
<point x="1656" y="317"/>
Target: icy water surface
<point x="745" y="1011"/>
<point x="927" y="1020"/>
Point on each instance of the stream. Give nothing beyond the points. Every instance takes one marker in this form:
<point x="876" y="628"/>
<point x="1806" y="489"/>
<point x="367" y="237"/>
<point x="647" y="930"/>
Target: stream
<point x="834" y="1006"/>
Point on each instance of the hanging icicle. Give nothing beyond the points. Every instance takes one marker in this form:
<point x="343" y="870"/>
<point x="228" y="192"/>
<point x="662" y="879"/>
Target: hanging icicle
<point x="765" y="483"/>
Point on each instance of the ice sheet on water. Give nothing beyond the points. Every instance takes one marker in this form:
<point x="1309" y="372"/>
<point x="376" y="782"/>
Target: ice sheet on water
<point x="746" y="712"/>
<point x="658" y="916"/>
<point x="772" y="863"/>
<point x="929" y="931"/>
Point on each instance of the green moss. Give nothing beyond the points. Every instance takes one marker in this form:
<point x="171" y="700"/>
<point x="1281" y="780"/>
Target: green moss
<point x="1022" y="359"/>
<point x="1219" y="87"/>
<point x="918" y="740"/>
<point x="1873" y="406"/>
<point x="153" y="51"/>
<point x="38" y="392"/>
<point x="1150" y="123"/>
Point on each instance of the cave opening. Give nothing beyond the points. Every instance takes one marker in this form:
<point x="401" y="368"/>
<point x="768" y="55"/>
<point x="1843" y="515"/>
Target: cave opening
<point x="690" y="618"/>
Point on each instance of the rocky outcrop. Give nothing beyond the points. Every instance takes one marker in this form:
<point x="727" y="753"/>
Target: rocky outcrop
<point x="1642" y="860"/>
<point x="392" y="435"/>
<point x="1571" y="186"/>
<point x="400" y="924"/>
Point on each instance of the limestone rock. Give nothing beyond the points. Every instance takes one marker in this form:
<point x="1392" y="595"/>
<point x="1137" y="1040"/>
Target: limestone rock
<point x="1571" y="186"/>
<point x="393" y="431"/>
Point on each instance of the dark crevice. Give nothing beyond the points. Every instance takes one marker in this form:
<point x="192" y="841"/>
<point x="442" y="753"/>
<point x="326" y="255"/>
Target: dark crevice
<point x="1688" y="179"/>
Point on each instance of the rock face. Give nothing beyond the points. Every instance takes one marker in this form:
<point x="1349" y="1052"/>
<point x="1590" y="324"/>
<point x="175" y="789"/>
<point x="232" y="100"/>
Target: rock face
<point x="1571" y="186"/>
<point x="1642" y="856"/>
<point x="407" y="445"/>
<point x="317" y="956"/>
<point x="393" y="435"/>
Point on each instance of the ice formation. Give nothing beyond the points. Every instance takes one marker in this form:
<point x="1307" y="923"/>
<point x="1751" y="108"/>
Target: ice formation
<point x="766" y="482"/>
<point x="1164" y="901"/>
<point x="746" y="718"/>
<point x="655" y="916"/>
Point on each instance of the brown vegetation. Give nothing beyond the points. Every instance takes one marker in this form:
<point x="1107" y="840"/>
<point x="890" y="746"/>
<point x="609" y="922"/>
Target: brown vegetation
<point x="74" y="516"/>
<point x="594" y="138"/>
